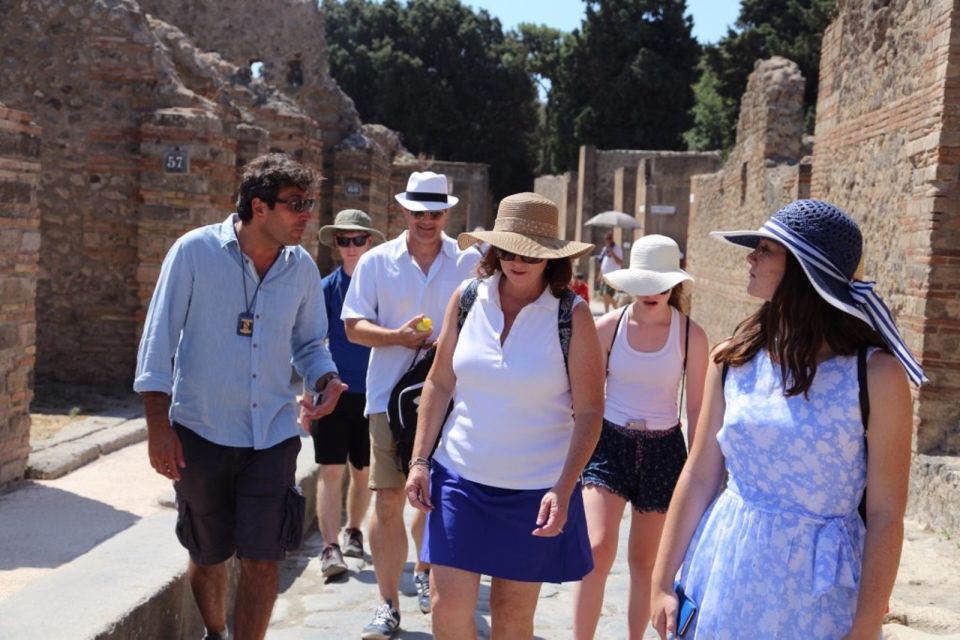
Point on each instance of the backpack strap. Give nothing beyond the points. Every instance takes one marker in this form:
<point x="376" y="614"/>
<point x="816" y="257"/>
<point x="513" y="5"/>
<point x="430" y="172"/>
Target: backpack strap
<point x="683" y="372"/>
<point x="467" y="297"/>
<point x="864" y="393"/>
<point x="565" y="324"/>
<point x="616" y="330"/>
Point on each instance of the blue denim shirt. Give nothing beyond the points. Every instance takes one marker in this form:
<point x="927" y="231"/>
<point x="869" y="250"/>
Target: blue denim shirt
<point x="230" y="389"/>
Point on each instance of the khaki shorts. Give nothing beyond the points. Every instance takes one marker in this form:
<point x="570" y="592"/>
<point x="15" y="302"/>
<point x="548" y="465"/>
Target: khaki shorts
<point x="385" y="472"/>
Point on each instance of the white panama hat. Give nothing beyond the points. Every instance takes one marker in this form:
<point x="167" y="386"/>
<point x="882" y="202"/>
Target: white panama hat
<point x="426" y="191"/>
<point x="654" y="268"/>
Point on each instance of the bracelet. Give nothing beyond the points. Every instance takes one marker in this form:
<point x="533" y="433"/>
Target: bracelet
<point x="420" y="461"/>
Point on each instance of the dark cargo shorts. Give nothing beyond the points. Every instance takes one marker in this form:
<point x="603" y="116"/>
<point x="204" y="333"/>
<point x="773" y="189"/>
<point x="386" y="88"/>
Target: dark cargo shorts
<point x="238" y="500"/>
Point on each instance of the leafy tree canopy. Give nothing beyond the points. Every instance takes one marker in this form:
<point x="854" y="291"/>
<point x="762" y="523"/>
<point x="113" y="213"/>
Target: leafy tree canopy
<point x="444" y="76"/>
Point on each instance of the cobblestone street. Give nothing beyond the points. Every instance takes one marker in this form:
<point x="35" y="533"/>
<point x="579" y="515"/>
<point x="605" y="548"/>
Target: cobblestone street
<point x="308" y="608"/>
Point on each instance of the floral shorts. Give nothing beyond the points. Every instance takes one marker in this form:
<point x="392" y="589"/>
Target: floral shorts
<point x="639" y="466"/>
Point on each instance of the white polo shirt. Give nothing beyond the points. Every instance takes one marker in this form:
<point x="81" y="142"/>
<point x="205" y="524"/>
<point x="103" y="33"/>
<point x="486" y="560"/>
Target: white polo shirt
<point x="388" y="288"/>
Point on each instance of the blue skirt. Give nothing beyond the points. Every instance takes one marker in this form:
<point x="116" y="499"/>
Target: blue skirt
<point x="487" y="530"/>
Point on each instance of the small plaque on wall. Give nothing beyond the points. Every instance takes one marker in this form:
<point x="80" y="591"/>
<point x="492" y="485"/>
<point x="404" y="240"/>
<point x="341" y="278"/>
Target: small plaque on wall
<point x="663" y="209"/>
<point x="353" y="189"/>
<point x="176" y="160"/>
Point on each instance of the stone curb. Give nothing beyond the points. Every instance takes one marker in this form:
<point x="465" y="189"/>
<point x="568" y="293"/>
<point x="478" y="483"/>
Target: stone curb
<point x="96" y="437"/>
<point x="132" y="585"/>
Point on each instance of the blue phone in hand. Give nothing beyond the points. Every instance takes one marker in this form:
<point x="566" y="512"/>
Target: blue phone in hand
<point x="686" y="610"/>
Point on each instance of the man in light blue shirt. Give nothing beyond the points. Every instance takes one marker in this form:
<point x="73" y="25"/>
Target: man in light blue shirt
<point x="235" y="304"/>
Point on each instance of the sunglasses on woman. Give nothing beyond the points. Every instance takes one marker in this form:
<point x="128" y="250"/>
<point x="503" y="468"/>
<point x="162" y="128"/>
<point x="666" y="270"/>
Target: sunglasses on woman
<point x="357" y="241"/>
<point x="434" y="215"/>
<point x="506" y="256"/>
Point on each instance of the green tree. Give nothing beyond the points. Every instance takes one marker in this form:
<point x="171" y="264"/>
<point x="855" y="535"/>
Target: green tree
<point x="624" y="81"/>
<point x="765" y="28"/>
<point x="444" y="76"/>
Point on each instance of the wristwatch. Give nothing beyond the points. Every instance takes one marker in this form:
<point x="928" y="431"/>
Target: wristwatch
<point x="325" y="379"/>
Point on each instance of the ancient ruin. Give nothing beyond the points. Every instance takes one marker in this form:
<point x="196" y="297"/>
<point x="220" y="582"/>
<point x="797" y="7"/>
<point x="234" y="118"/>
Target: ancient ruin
<point x="140" y="114"/>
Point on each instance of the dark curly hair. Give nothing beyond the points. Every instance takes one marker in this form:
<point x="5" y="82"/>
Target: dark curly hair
<point x="264" y="176"/>
<point x="558" y="271"/>
<point x="792" y="326"/>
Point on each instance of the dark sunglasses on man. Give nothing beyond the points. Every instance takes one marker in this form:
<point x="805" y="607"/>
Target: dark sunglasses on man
<point x="434" y="215"/>
<point x="357" y="241"/>
<point x="506" y="256"/>
<point x="298" y="205"/>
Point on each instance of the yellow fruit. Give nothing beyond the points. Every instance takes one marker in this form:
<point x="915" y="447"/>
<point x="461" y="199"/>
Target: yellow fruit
<point x="425" y="324"/>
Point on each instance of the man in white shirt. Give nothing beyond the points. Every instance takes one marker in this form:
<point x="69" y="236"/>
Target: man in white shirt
<point x="611" y="259"/>
<point x="394" y="287"/>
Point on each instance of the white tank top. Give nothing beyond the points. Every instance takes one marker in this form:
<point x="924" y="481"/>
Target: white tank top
<point x="512" y="412"/>
<point x="644" y="385"/>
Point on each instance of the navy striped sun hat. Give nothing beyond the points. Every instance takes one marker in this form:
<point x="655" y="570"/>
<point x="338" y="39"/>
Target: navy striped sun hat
<point x="828" y="245"/>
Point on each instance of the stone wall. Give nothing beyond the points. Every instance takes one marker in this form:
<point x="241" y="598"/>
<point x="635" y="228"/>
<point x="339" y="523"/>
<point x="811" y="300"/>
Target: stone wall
<point x="286" y="36"/>
<point x="88" y="73"/>
<point x="19" y="263"/>
<point x="888" y="152"/>
<point x="754" y="182"/>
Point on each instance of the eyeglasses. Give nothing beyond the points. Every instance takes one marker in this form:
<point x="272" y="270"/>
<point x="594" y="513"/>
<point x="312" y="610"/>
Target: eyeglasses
<point x="298" y="205"/>
<point x="506" y="256"/>
<point x="357" y="241"/>
<point x="762" y="251"/>
<point x="434" y="215"/>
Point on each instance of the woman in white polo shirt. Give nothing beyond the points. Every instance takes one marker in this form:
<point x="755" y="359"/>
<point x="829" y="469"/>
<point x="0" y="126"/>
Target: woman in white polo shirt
<point x="503" y="493"/>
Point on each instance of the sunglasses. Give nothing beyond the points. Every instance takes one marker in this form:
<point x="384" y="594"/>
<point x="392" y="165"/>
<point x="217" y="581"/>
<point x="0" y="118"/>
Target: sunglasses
<point x="506" y="256"/>
<point x="298" y="205"/>
<point x="357" y="241"/>
<point x="434" y="215"/>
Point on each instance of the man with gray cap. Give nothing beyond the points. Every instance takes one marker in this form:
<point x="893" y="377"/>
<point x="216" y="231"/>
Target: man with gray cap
<point x="396" y="288"/>
<point x="343" y="435"/>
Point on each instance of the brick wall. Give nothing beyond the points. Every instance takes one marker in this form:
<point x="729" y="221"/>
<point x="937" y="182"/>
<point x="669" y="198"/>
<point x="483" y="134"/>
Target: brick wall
<point x="887" y="151"/>
<point x="19" y="263"/>
<point x="751" y="185"/>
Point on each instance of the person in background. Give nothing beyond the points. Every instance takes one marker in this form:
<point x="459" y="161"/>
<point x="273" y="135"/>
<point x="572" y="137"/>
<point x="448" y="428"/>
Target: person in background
<point x="235" y="303"/>
<point x="653" y="351"/>
<point x="344" y="435"/>
<point x="504" y="493"/>
<point x="579" y="286"/>
<point x="610" y="259"/>
<point x="395" y="286"/>
<point x="782" y="552"/>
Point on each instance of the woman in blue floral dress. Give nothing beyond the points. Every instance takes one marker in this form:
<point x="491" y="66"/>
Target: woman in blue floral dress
<point x="782" y="551"/>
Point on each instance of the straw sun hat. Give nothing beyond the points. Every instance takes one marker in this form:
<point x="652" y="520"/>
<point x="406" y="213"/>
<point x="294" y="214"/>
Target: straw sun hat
<point x="654" y="267"/>
<point x="426" y="191"/>
<point x="527" y="224"/>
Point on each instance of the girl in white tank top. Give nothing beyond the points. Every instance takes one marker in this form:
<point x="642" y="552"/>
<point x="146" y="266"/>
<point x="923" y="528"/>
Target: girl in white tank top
<point x="641" y="449"/>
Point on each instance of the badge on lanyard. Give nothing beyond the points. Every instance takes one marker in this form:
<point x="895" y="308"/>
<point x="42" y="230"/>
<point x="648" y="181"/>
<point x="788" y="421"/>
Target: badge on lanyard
<point x="245" y="324"/>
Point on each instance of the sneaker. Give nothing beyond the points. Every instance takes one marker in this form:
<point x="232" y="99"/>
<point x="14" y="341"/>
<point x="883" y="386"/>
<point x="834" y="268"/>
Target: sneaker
<point x="331" y="561"/>
<point x="352" y="543"/>
<point x="422" y="580"/>
<point x="386" y="622"/>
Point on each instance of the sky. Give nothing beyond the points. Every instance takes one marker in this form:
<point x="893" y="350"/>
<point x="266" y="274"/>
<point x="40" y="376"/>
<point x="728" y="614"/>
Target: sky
<point x="710" y="17"/>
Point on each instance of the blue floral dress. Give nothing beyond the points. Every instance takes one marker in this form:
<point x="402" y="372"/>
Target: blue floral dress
<point x="778" y="553"/>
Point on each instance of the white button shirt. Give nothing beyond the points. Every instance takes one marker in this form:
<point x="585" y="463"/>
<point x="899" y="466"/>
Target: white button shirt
<point x="388" y="288"/>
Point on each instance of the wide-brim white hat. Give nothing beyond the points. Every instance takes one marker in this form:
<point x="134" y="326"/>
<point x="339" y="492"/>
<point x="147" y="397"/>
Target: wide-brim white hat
<point x="654" y="268"/>
<point x="527" y="224"/>
<point x="426" y="191"/>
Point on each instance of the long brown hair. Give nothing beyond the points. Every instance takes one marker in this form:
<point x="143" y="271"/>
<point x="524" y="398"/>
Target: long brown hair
<point x="791" y="327"/>
<point x="557" y="274"/>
